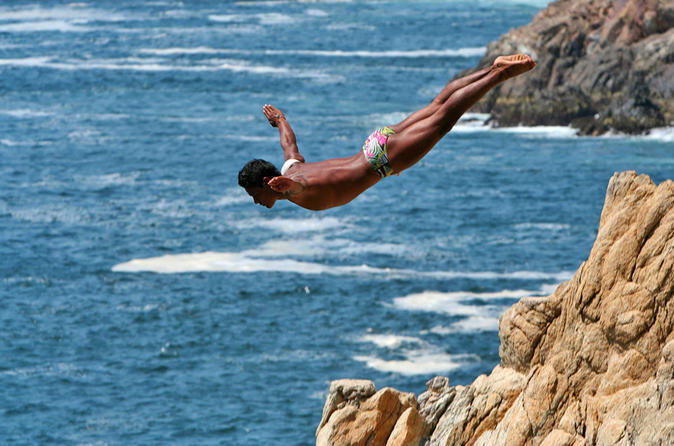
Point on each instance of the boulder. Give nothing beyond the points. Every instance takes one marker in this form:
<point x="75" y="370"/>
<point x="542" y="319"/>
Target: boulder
<point x="601" y="65"/>
<point x="354" y="415"/>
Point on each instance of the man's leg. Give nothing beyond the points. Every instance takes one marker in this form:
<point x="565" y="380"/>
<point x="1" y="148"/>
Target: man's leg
<point x="440" y="99"/>
<point x="414" y="141"/>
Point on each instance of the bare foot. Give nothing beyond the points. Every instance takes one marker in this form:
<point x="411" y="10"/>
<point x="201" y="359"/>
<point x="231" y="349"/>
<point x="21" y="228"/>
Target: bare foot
<point x="514" y="65"/>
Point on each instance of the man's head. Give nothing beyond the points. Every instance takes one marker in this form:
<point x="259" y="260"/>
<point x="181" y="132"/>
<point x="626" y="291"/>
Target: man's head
<point x="255" y="176"/>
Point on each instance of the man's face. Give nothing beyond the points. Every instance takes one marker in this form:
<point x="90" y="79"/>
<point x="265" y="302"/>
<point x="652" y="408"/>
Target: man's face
<point x="263" y="196"/>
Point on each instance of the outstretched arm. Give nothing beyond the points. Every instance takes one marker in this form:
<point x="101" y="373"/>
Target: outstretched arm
<point x="288" y="142"/>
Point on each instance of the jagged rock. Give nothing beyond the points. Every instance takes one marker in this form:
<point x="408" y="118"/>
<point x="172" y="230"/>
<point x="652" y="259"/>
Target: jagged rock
<point x="408" y="429"/>
<point x="343" y="391"/>
<point x="354" y="415"/>
<point x="478" y="408"/>
<point x="591" y="364"/>
<point x="434" y="401"/>
<point x="601" y="65"/>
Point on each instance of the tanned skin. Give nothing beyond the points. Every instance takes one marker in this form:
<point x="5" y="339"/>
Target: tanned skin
<point x="335" y="182"/>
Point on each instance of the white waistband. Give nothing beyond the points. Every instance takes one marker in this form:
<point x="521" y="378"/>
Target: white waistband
<point x="289" y="162"/>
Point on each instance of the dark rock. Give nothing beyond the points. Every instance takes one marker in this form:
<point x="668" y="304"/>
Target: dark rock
<point x="601" y="65"/>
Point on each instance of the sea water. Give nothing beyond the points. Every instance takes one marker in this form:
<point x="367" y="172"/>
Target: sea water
<point x="144" y="298"/>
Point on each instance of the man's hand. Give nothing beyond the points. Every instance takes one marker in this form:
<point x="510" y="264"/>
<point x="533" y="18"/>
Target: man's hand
<point x="273" y="114"/>
<point x="281" y="184"/>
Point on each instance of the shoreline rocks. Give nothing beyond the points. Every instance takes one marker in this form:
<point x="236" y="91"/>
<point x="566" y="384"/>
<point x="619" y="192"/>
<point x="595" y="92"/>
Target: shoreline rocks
<point x="602" y="65"/>
<point x="593" y="363"/>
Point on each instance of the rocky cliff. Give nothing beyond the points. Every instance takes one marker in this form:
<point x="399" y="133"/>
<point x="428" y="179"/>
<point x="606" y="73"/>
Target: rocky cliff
<point x="601" y="65"/>
<point x="591" y="364"/>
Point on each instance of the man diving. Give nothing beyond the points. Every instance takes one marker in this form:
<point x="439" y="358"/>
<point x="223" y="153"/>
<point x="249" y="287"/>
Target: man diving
<point x="387" y="151"/>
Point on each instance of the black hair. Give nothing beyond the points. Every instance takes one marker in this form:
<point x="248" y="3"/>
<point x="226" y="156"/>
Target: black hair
<point x="253" y="173"/>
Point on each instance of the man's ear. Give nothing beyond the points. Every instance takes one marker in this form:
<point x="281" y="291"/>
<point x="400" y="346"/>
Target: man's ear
<point x="280" y="184"/>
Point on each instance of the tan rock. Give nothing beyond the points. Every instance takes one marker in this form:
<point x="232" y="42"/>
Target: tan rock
<point x="478" y="408"/>
<point x="359" y="421"/>
<point x="592" y="364"/>
<point x="343" y="391"/>
<point x="558" y="438"/>
<point x="408" y="430"/>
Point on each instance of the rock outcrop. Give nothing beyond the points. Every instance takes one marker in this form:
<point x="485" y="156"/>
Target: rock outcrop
<point x="355" y="415"/>
<point x="601" y="65"/>
<point x="591" y="364"/>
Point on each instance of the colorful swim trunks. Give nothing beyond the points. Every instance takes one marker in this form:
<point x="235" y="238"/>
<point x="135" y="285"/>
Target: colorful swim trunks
<point x="376" y="153"/>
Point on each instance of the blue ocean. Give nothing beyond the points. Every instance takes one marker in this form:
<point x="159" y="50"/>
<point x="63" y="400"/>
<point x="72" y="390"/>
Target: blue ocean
<point x="145" y="299"/>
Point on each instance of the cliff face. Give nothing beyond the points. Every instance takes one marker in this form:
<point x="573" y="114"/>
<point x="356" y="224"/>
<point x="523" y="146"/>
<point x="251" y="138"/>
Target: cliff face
<point x="593" y="363"/>
<point x="601" y="65"/>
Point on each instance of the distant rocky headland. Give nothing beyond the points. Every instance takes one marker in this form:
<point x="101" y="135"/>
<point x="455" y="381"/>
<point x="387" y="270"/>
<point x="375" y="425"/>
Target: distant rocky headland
<point x="602" y="65"/>
<point x="591" y="364"/>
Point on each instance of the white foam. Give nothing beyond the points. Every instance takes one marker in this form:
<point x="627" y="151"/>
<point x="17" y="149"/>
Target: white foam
<point x="345" y="26"/>
<point x="389" y="341"/>
<point x="319" y="245"/>
<point x="665" y="134"/>
<point x="471" y="324"/>
<point x="421" y="362"/>
<point x="316" y="12"/>
<point x="151" y="65"/>
<point x="544" y="226"/>
<point x="25" y="61"/>
<point x="59" y="369"/>
<point x="480" y="117"/>
<point x="139" y="308"/>
<point x="87" y="135"/>
<point x="262" y="2"/>
<point x="30" y="142"/>
<point x="178" y="13"/>
<point x="227" y="18"/>
<point x="274" y="18"/>
<point x="44" y="25"/>
<point x="461" y="52"/>
<point x="51" y="214"/>
<point x="25" y="113"/>
<point x="550" y="131"/>
<point x="352" y="248"/>
<point x="490" y="275"/>
<point x="111" y="179"/>
<point x="181" y="51"/>
<point x="478" y="122"/>
<point x="420" y="357"/>
<point x="234" y="197"/>
<point x="293" y="225"/>
<point x="283" y="2"/>
<point x="63" y="19"/>
<point x="109" y="116"/>
<point x="24" y="279"/>
<point x="251" y="261"/>
<point x="214" y="261"/>
<point x="451" y="302"/>
<point x="475" y="323"/>
<point x="479" y="125"/>
<point x="536" y="3"/>
<point x="271" y="18"/>
<point x="72" y="13"/>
